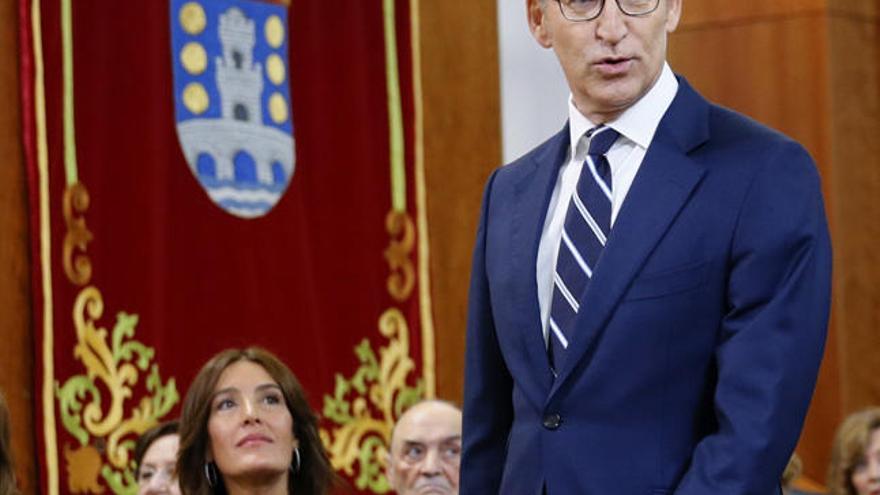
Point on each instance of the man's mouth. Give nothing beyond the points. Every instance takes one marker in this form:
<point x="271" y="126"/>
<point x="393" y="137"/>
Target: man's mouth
<point x="613" y="66"/>
<point x="434" y="486"/>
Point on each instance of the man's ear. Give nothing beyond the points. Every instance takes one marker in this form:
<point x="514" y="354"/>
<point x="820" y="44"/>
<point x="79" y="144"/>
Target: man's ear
<point x="389" y="471"/>
<point x="535" y="10"/>
<point x="673" y="14"/>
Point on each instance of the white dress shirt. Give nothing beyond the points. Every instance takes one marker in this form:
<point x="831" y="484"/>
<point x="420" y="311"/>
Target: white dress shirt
<point x="636" y="126"/>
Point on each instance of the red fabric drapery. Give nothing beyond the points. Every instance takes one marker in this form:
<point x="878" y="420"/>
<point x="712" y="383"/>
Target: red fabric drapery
<point x="127" y="241"/>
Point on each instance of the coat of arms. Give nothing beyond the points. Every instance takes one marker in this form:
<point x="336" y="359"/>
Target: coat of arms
<point x="232" y="100"/>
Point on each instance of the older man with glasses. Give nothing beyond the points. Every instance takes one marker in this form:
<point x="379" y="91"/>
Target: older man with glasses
<point x="650" y="286"/>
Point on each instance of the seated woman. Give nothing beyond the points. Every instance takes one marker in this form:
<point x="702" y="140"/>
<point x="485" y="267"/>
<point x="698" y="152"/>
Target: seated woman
<point x="7" y="469"/>
<point x="247" y="427"/>
<point x="855" y="457"/>
<point x="155" y="456"/>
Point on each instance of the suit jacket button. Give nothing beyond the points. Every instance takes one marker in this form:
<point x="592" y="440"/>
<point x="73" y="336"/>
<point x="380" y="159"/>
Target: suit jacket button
<point x="552" y="421"/>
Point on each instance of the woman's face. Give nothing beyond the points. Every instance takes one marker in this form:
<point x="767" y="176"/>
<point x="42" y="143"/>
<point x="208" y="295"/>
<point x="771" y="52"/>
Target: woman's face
<point x="866" y="474"/>
<point x="250" y="427"/>
<point x="156" y="473"/>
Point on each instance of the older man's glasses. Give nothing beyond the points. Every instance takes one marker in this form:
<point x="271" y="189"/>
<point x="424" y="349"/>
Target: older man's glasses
<point x="587" y="10"/>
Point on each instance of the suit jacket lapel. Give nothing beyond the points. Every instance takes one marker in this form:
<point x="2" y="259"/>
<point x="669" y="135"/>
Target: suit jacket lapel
<point x="531" y="196"/>
<point x="663" y="185"/>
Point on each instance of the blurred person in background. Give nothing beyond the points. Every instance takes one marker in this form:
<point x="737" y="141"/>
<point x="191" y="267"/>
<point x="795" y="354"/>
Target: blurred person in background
<point x="425" y="453"/>
<point x="247" y="428"/>
<point x="155" y="456"/>
<point x="7" y="468"/>
<point x="855" y="456"/>
<point x="792" y="472"/>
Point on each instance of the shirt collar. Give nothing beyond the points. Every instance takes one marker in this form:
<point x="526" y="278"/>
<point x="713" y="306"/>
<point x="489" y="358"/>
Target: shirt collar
<point x="637" y="123"/>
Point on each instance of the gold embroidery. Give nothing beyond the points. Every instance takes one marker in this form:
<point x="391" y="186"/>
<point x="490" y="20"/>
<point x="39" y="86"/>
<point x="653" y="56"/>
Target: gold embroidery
<point x="83" y="468"/>
<point x="78" y="268"/>
<point x="403" y="236"/>
<point x="85" y="411"/>
<point x="379" y="386"/>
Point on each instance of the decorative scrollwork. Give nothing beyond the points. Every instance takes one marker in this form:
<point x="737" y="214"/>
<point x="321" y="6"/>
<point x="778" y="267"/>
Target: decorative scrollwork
<point x="83" y="466"/>
<point x="398" y="254"/>
<point x="101" y="425"/>
<point x="380" y="386"/>
<point x="77" y="267"/>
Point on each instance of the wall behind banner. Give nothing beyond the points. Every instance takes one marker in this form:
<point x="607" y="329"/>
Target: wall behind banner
<point x="462" y="145"/>
<point x="16" y="374"/>
<point x="534" y="93"/>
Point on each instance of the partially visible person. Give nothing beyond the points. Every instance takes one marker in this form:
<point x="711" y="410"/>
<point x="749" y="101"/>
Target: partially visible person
<point x="248" y="428"/>
<point x="792" y="470"/>
<point x="791" y="474"/>
<point x="855" y="457"/>
<point x="425" y="454"/>
<point x="7" y="467"/>
<point x="155" y="456"/>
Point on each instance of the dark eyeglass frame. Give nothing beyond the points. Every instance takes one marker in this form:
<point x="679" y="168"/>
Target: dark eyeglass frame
<point x="602" y="7"/>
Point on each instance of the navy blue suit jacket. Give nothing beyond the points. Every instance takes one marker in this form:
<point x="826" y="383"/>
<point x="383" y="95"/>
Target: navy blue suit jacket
<point x="694" y="358"/>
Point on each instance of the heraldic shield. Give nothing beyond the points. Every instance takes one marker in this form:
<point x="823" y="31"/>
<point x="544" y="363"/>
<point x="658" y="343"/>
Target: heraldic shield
<point x="232" y="100"/>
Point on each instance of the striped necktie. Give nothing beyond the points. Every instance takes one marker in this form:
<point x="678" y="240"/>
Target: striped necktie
<point x="584" y="233"/>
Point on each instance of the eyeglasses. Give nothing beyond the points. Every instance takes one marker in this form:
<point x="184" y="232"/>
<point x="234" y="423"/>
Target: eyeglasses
<point x="587" y="10"/>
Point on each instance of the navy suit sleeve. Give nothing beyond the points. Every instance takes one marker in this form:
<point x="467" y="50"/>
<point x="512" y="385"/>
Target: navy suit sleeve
<point x="488" y="384"/>
<point x="773" y="334"/>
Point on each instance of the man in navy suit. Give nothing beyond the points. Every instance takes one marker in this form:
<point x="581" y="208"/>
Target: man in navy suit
<point x="650" y="286"/>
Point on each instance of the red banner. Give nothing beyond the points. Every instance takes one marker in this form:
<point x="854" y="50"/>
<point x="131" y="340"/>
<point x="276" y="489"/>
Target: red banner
<point x="178" y="211"/>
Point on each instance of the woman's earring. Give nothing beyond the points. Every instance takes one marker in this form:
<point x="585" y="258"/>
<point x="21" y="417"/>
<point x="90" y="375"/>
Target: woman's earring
<point x="211" y="474"/>
<point x="297" y="461"/>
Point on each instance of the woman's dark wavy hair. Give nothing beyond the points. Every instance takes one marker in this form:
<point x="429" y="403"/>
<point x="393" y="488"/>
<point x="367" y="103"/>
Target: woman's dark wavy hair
<point x="7" y="468"/>
<point x="315" y="476"/>
<point x="147" y="439"/>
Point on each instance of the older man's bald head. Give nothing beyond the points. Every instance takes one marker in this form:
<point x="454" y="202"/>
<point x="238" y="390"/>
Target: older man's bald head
<point x="425" y="451"/>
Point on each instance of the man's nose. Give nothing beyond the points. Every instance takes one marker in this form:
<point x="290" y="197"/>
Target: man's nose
<point x="431" y="464"/>
<point x="611" y="25"/>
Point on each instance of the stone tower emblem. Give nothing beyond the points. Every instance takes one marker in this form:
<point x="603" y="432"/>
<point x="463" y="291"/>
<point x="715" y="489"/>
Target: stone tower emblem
<point x="233" y="117"/>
